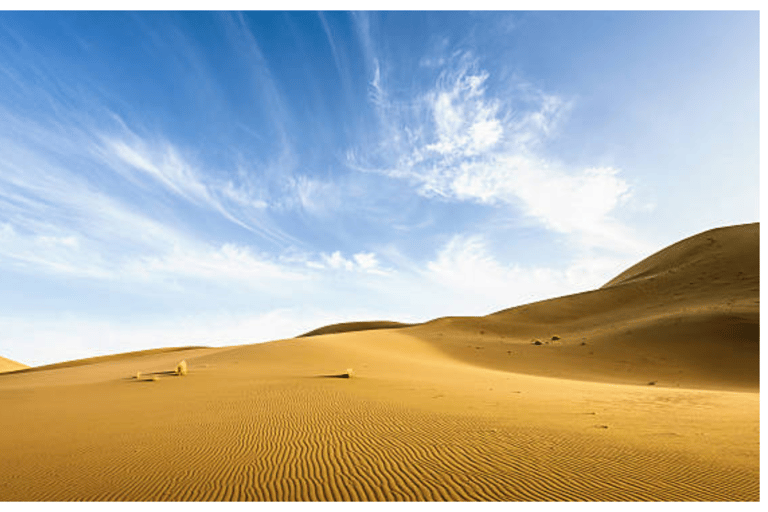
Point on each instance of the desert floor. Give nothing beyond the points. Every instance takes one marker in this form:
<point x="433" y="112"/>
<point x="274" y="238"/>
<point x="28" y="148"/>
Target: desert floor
<point x="646" y="389"/>
<point x="266" y="422"/>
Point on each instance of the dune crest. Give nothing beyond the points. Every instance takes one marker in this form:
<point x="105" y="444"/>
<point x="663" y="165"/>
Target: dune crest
<point x="720" y="253"/>
<point x="687" y="316"/>
<point x="353" y="327"/>
<point x="111" y="357"/>
<point x="7" y="365"/>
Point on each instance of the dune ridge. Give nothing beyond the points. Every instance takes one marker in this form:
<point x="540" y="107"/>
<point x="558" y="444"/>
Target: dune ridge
<point x="110" y="357"/>
<point x="715" y="252"/>
<point x="686" y="316"/>
<point x="353" y="327"/>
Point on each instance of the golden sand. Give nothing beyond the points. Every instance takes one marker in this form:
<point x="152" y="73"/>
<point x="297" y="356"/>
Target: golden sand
<point x="6" y="365"/>
<point x="645" y="389"/>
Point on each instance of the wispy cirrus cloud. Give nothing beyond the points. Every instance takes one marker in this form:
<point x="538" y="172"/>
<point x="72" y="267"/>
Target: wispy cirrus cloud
<point x="259" y="77"/>
<point x="45" y="193"/>
<point x="101" y="211"/>
<point x="459" y="142"/>
<point x="167" y="168"/>
<point x="309" y="194"/>
<point x="149" y="165"/>
<point x="62" y="254"/>
<point x="361" y="262"/>
<point x="229" y="263"/>
<point x="465" y="123"/>
<point x="56" y="222"/>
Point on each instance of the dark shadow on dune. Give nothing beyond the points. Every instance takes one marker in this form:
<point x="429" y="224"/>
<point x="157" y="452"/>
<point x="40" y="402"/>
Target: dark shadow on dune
<point x="148" y="376"/>
<point x="354" y="327"/>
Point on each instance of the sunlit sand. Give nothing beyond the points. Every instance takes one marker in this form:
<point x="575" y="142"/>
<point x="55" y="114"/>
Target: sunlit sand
<point x="6" y="365"/>
<point x="644" y="389"/>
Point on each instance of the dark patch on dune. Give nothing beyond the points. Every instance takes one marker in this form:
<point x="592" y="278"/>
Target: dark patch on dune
<point x="353" y="327"/>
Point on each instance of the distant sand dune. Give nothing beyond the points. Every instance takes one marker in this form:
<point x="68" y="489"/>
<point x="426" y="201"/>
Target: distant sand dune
<point x="352" y="327"/>
<point x="112" y="357"/>
<point x="6" y="365"/>
<point x="643" y="390"/>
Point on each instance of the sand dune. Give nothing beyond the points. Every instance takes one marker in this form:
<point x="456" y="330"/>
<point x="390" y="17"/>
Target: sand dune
<point x="454" y="409"/>
<point x="722" y="253"/>
<point x="352" y="327"/>
<point x="6" y="365"/>
<point x="111" y="358"/>
<point x="687" y="316"/>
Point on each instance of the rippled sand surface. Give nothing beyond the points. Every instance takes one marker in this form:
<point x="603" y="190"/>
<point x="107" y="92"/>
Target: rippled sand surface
<point x="645" y="389"/>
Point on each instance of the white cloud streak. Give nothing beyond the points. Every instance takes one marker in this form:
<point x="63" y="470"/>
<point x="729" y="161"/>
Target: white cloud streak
<point x="170" y="170"/>
<point x="460" y="143"/>
<point x="229" y="263"/>
<point x="162" y="164"/>
<point x="465" y="124"/>
<point x="476" y="283"/>
<point x="362" y="262"/>
<point x="56" y="219"/>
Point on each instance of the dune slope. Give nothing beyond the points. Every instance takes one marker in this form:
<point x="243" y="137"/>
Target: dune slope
<point x="717" y="254"/>
<point x="687" y="316"/>
<point x="6" y="365"/>
<point x="112" y="357"/>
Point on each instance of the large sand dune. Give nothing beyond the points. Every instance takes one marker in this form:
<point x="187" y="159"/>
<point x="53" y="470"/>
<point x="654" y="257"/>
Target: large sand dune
<point x="687" y="316"/>
<point x="454" y="409"/>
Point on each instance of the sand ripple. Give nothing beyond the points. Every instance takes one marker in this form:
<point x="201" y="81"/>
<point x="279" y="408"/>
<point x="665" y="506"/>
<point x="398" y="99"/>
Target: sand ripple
<point x="319" y="442"/>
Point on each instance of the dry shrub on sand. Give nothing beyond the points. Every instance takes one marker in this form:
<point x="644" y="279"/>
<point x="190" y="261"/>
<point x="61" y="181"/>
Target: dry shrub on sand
<point x="181" y="368"/>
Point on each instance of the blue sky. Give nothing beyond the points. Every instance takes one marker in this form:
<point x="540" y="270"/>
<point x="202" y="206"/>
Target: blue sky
<point x="224" y="178"/>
